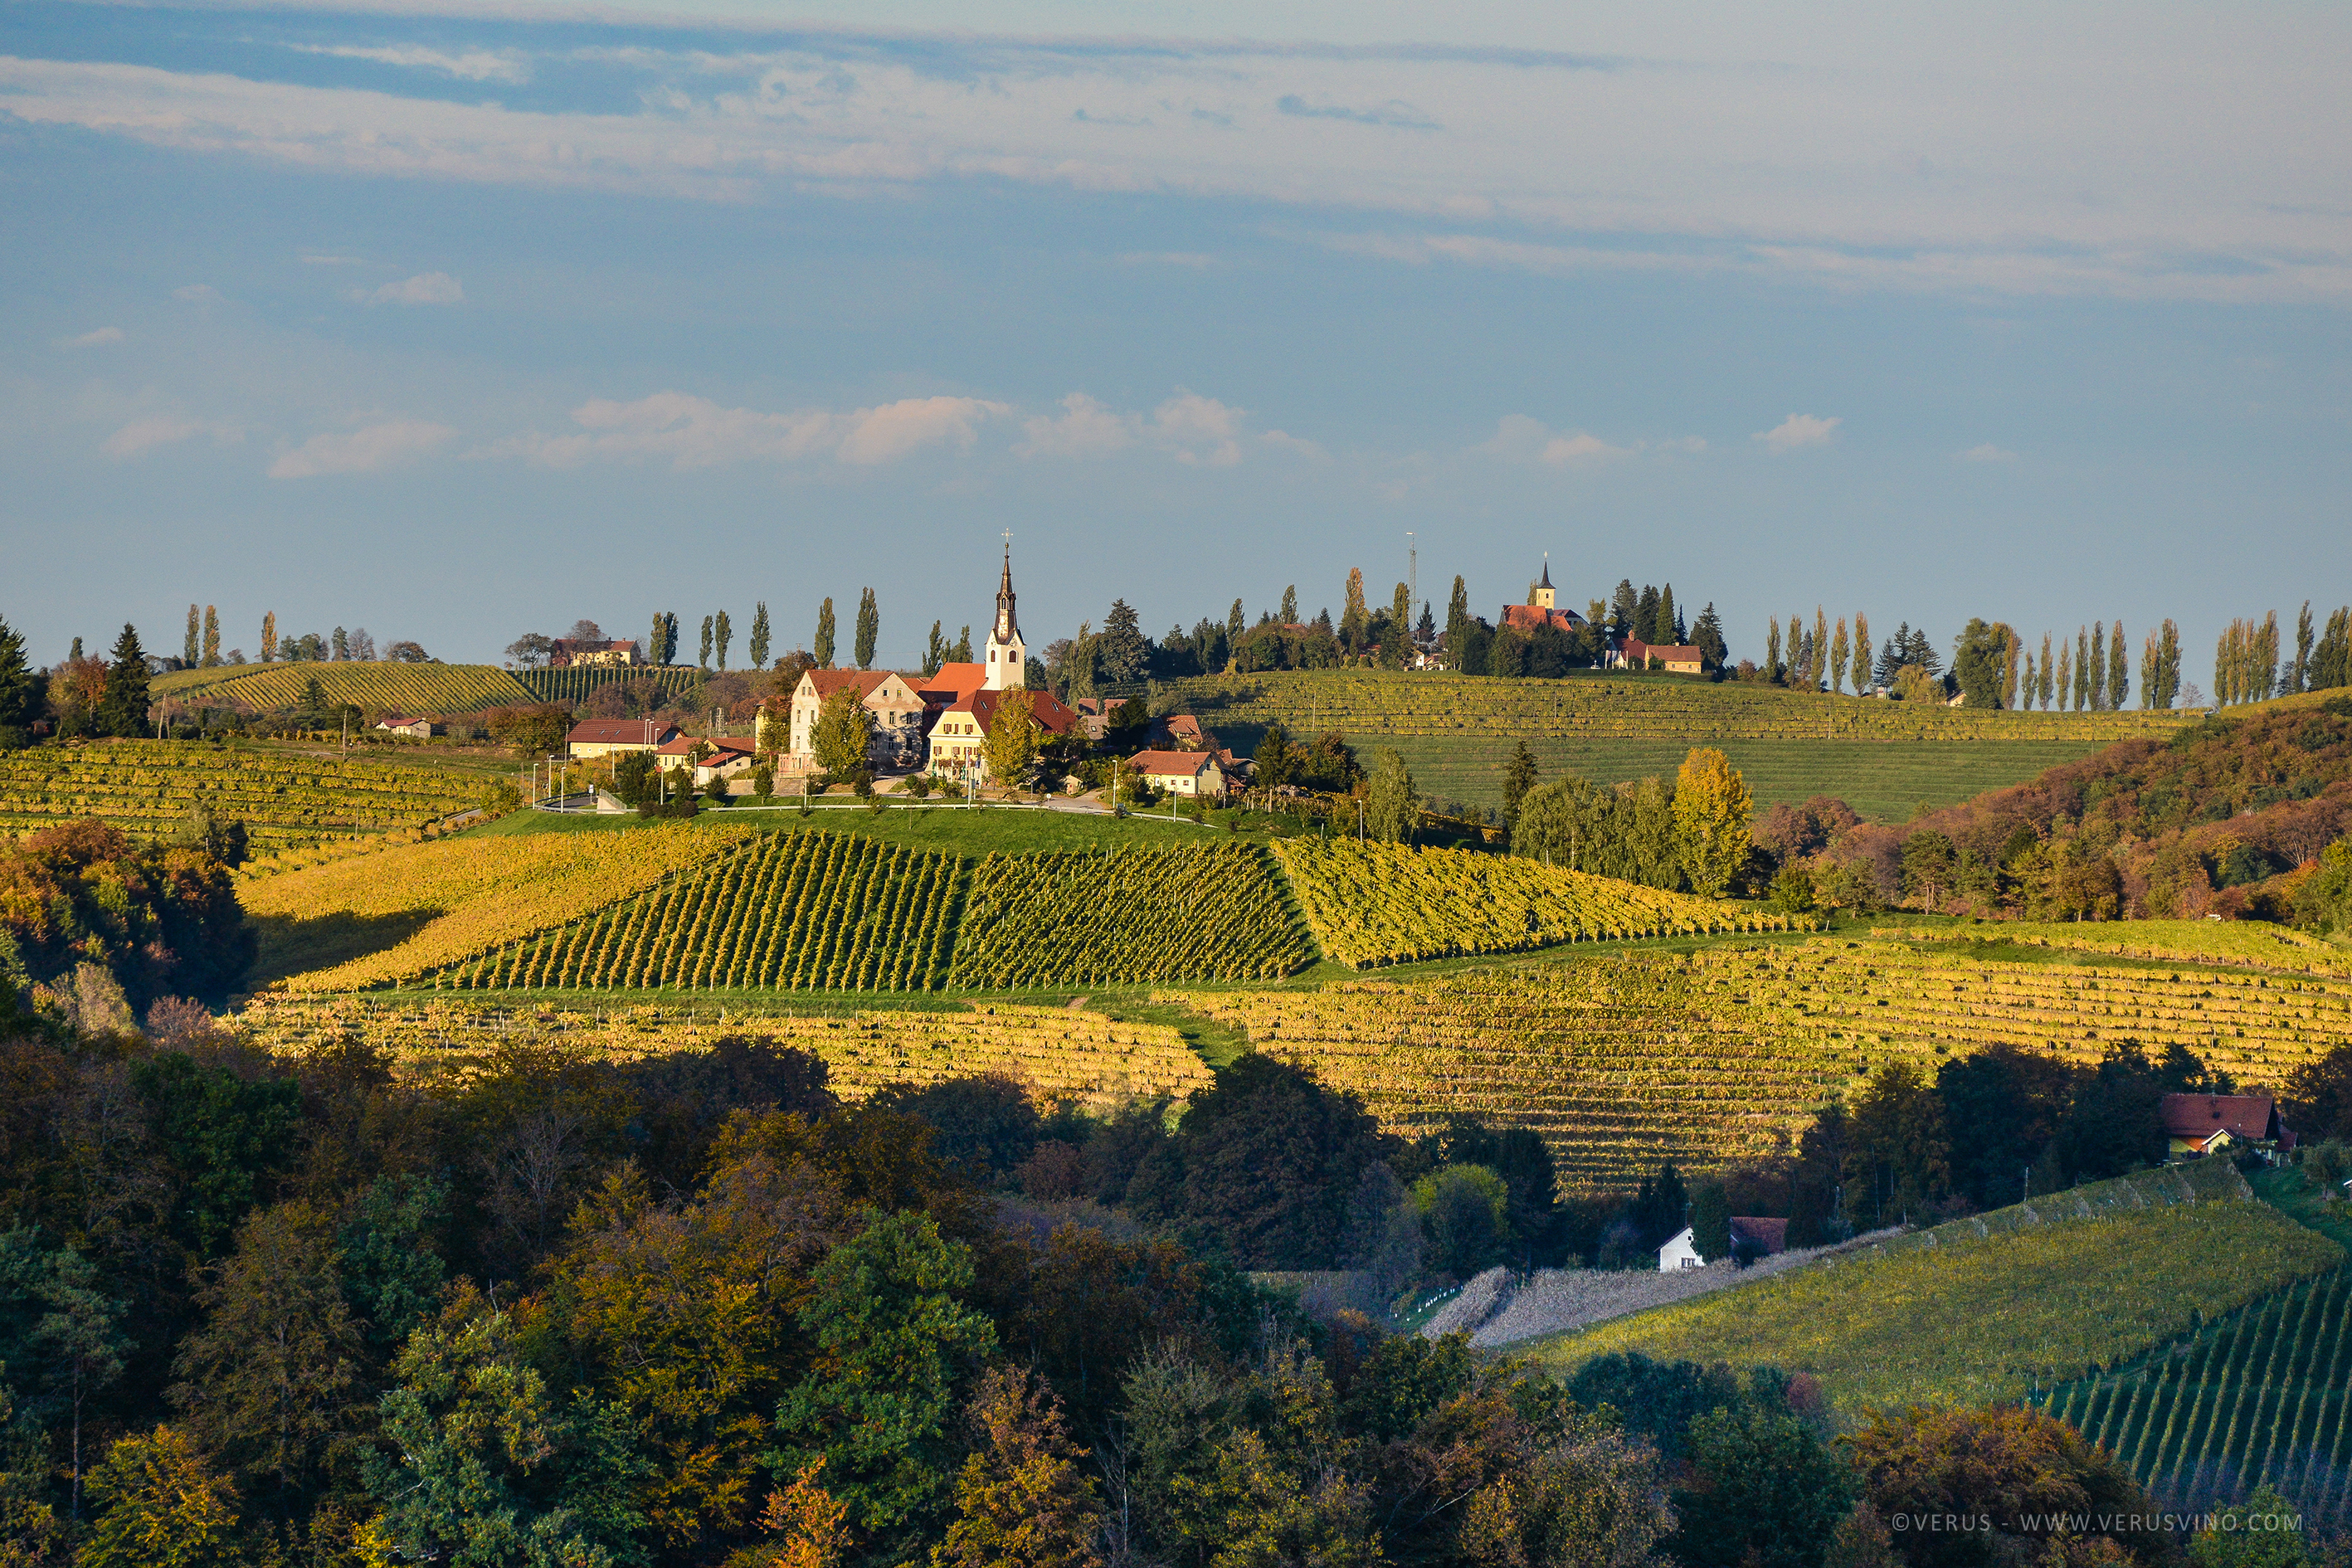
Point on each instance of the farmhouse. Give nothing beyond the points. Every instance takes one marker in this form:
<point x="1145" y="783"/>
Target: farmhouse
<point x="1181" y="773"/>
<point x="1682" y="1252"/>
<point x="566" y="652"/>
<point x="960" y="730"/>
<point x="720" y="758"/>
<point x="2198" y="1124"/>
<point x="1681" y="659"/>
<point x="603" y="737"/>
<point x="895" y="708"/>
<point x="415" y="729"/>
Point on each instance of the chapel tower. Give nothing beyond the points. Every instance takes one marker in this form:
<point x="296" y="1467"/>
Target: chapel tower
<point x="1543" y="597"/>
<point x="1008" y="656"/>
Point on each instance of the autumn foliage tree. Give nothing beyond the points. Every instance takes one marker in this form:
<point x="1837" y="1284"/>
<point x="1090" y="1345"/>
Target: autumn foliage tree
<point x="1712" y="811"/>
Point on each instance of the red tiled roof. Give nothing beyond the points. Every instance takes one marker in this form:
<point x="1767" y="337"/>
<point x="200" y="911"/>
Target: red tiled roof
<point x="1642" y="652"/>
<point x="1052" y="714"/>
<point x="1767" y="1235"/>
<point x="863" y="681"/>
<point x="952" y="681"/>
<point x="1170" y="762"/>
<point x="721" y="747"/>
<point x="1529" y="617"/>
<point x="2199" y="1116"/>
<point x="616" y="732"/>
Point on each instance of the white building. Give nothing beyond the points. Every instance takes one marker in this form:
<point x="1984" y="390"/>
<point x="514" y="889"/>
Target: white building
<point x="1679" y="1253"/>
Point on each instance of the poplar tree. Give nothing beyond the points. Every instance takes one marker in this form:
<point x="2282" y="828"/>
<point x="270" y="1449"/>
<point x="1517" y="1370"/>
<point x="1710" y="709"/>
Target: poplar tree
<point x="2331" y="658"/>
<point x="269" y="638"/>
<point x="188" y="654"/>
<point x="760" y="635"/>
<point x="1772" y="652"/>
<point x="2065" y="674"/>
<point x="2118" y="668"/>
<point x="935" y="651"/>
<point x="343" y="645"/>
<point x="1235" y="626"/>
<point x="705" y="642"/>
<point x="2046" y="672"/>
<point x="1354" y="618"/>
<point x="1290" y="605"/>
<point x="1400" y="639"/>
<point x="821" y="647"/>
<point x="1457" y="620"/>
<point x="2098" y="667"/>
<point x="2010" y="654"/>
<point x="2082" y="670"/>
<point x="1837" y="658"/>
<point x="1861" y="654"/>
<point x="654" y="654"/>
<point x="2151" y="679"/>
<point x="869" y="626"/>
<point x="963" y="647"/>
<point x="2025" y="686"/>
<point x="2299" y="676"/>
<point x="721" y="634"/>
<point x="1818" y="668"/>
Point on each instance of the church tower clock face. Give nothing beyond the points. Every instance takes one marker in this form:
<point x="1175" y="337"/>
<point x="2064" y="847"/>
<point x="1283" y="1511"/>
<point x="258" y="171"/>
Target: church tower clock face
<point x="1008" y="656"/>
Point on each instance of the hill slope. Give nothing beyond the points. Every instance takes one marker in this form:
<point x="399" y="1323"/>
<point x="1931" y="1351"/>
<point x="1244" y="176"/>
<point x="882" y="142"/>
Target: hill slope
<point x="1987" y="1308"/>
<point x="376" y="686"/>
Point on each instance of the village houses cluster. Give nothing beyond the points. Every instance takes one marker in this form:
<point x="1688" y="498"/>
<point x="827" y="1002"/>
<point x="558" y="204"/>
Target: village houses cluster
<point x="937" y="724"/>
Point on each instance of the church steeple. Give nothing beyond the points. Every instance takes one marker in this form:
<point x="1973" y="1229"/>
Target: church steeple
<point x="1008" y="656"/>
<point x="1543" y="597"/>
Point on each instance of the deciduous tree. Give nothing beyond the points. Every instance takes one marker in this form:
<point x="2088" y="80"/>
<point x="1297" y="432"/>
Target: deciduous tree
<point x="2118" y="667"/>
<point x="1711" y="815"/>
<point x="822" y="645"/>
<point x="1392" y="806"/>
<point x="1838" y="656"/>
<point x="759" y="637"/>
<point x="269" y="638"/>
<point x="161" y="1505"/>
<point x="1021" y="1500"/>
<point x="870" y="628"/>
<point x="188" y="647"/>
<point x="1010" y="748"/>
<point x="212" y="654"/>
<point x="843" y="738"/>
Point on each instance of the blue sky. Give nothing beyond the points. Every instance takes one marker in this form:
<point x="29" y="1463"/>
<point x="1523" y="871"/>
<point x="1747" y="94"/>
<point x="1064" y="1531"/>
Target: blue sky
<point x="455" y="321"/>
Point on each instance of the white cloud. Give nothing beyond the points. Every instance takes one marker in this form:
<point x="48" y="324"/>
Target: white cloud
<point x="198" y="293"/>
<point x="1521" y="439"/>
<point x="1188" y="427"/>
<point x="1857" y="150"/>
<point x="474" y="65"/>
<point x="364" y="451"/>
<point x="1988" y="453"/>
<point x="91" y="340"/>
<point x="696" y="433"/>
<point x="1084" y="428"/>
<point x="1799" y="430"/>
<point x="163" y="430"/>
<point x="425" y="289"/>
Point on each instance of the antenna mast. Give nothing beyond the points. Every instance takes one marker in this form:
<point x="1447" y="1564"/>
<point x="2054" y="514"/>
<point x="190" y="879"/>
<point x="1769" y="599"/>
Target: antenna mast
<point x="1412" y="568"/>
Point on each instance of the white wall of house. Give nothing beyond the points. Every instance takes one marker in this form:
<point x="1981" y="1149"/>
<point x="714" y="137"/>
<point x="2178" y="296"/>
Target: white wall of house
<point x="1679" y="1253"/>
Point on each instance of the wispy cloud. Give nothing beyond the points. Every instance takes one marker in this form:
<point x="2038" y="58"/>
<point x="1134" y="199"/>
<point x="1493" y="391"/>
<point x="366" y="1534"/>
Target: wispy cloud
<point x="368" y="450"/>
<point x="1188" y="427"/>
<point x="1520" y="438"/>
<point x="1400" y="115"/>
<point x="1988" y="453"/>
<point x="694" y="432"/>
<point x="1799" y="431"/>
<point x="425" y="289"/>
<point x="92" y="340"/>
<point x="165" y="430"/>
<point x="198" y="293"/>
<point x="473" y="65"/>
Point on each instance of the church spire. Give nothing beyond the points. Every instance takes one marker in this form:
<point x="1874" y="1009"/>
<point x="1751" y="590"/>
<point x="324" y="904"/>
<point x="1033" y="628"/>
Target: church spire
<point x="1007" y="628"/>
<point x="1008" y="656"/>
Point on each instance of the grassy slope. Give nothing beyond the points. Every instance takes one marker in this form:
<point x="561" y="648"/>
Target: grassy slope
<point x="1004" y="830"/>
<point x="1885" y="781"/>
<point x="1983" y="1317"/>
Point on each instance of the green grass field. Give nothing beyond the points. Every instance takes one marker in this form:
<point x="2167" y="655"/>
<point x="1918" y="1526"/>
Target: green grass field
<point x="1987" y="1308"/>
<point x="1885" y="781"/>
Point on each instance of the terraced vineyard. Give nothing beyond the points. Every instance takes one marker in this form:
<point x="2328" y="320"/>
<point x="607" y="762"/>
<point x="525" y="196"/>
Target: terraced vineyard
<point x="410" y="911"/>
<point x="147" y="788"/>
<point x="575" y="683"/>
<point x="375" y="686"/>
<point x="789" y="912"/>
<point x="2247" y="942"/>
<point x="1368" y="704"/>
<point x="1081" y="919"/>
<point x="2263" y="1394"/>
<point x="1623" y="1061"/>
<point x="1987" y="1310"/>
<point x="1061" y="1053"/>
<point x="1382" y="903"/>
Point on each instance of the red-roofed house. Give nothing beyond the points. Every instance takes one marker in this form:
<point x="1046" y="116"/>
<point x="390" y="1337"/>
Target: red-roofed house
<point x="1759" y="1237"/>
<point x="959" y="732"/>
<point x="603" y="737"/>
<point x="565" y="652"/>
<point x="1181" y="773"/>
<point x="1542" y="609"/>
<point x="2200" y="1124"/>
<point x="1680" y="659"/>
<point x="896" y="709"/>
<point x="723" y="758"/>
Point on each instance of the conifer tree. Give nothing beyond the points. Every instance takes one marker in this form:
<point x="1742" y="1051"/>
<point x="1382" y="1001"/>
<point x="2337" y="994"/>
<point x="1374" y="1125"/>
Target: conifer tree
<point x="1398" y="648"/>
<point x="821" y="647"/>
<point x="122" y="706"/>
<point x="869" y="627"/>
<point x="2118" y="668"/>
<point x="16" y="688"/>
<point x="1519" y="778"/>
<point x="1646" y="615"/>
<point x="1623" y="606"/>
<point x="721" y="634"/>
<point x="760" y="635"/>
<point x="1862" y="663"/>
<point x="211" y="638"/>
<point x="1669" y="621"/>
<point x="1707" y="637"/>
<point x="188" y="654"/>
<point x="76" y="655"/>
<point x="269" y="638"/>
